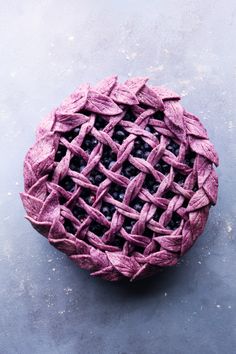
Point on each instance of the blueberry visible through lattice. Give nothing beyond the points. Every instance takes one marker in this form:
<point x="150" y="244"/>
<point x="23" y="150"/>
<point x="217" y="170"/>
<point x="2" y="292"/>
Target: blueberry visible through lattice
<point x="128" y="170"/>
<point x="141" y="149"/>
<point x="129" y="116"/>
<point x="100" y="123"/>
<point x="150" y="183"/>
<point x="79" y="213"/>
<point x="117" y="192"/>
<point x="87" y="196"/>
<point x="96" y="177"/>
<point x="119" y="134"/>
<point x="68" y="184"/>
<point x="137" y="204"/>
<point x="61" y="152"/>
<point x="150" y="129"/>
<point x="157" y="214"/>
<point x="107" y="210"/>
<point x="173" y="147"/>
<point x="69" y="226"/>
<point x="77" y="163"/>
<point x="190" y="157"/>
<point x="128" y="224"/>
<point x="108" y="157"/>
<point x="168" y="194"/>
<point x="179" y="178"/>
<point x="159" y="115"/>
<point x="118" y="241"/>
<point x="174" y="222"/>
<point x="72" y="134"/>
<point x="148" y="233"/>
<point x="89" y="143"/>
<point x="162" y="167"/>
<point x="97" y="228"/>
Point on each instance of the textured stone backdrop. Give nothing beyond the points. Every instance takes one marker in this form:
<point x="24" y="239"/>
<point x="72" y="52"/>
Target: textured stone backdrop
<point x="47" y="304"/>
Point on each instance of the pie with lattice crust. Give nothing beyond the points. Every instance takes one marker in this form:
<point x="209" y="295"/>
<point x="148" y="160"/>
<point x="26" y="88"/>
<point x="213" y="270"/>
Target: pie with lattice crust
<point x="121" y="178"/>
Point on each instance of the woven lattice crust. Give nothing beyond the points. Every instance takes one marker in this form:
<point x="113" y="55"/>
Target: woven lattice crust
<point x="121" y="178"/>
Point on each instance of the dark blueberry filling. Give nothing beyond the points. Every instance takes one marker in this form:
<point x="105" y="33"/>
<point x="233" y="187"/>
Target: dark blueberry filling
<point x="72" y="134"/>
<point x="157" y="214"/>
<point x="173" y="147"/>
<point x="144" y="106"/>
<point x="195" y="188"/>
<point x="61" y="152"/>
<point x="68" y="184"/>
<point x="128" y="224"/>
<point x="118" y="241"/>
<point x="150" y="129"/>
<point x="100" y="123"/>
<point x="151" y="184"/>
<point x="174" y="222"/>
<point x="119" y="134"/>
<point x="117" y="192"/>
<point x="89" y="143"/>
<point x="79" y="213"/>
<point x="85" y="113"/>
<point x="148" y="233"/>
<point x="141" y="149"/>
<point x="138" y="153"/>
<point x="138" y="249"/>
<point x="189" y="158"/>
<point x="163" y="167"/>
<point x="185" y="203"/>
<point x="69" y="226"/>
<point x="96" y="177"/>
<point x="62" y="200"/>
<point x="108" y="157"/>
<point x="169" y="195"/>
<point x="50" y="175"/>
<point x="128" y="170"/>
<point x="87" y="196"/>
<point x="77" y="163"/>
<point x="108" y="210"/>
<point x="180" y="179"/>
<point x="159" y="115"/>
<point x="129" y="116"/>
<point x="97" y="228"/>
<point x="137" y="204"/>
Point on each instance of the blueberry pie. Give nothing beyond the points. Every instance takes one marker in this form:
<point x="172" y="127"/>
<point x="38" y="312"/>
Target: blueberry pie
<point x="121" y="178"/>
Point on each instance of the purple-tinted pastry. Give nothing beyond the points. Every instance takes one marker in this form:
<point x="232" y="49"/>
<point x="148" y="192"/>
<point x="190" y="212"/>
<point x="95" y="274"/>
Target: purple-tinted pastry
<point x="121" y="178"/>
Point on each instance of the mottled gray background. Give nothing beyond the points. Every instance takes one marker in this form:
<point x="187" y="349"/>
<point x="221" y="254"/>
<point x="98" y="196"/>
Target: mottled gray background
<point x="47" y="304"/>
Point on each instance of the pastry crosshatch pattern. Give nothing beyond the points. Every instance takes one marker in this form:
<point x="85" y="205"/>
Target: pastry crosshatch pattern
<point x="121" y="178"/>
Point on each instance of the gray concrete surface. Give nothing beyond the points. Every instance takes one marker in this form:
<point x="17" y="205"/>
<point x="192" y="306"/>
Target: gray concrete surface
<point x="48" y="305"/>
